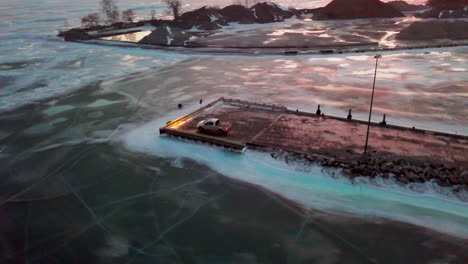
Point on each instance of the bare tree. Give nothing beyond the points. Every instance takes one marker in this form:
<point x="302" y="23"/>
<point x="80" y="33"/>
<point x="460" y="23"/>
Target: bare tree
<point x="247" y="3"/>
<point x="128" y="15"/>
<point x="175" y="6"/>
<point x="111" y="10"/>
<point x="153" y="14"/>
<point x="90" y="20"/>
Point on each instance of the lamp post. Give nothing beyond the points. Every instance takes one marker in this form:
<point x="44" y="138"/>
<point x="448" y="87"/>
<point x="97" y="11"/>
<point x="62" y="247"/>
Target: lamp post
<point x="376" y="57"/>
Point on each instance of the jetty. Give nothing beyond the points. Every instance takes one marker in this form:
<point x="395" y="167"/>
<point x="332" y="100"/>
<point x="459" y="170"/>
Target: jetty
<point x="269" y="126"/>
<point x="404" y="153"/>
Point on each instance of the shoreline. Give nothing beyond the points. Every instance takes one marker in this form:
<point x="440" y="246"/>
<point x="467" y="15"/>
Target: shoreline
<point x="211" y="30"/>
<point x="285" y="50"/>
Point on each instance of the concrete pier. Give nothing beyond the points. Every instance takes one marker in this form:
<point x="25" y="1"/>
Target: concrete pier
<point x="275" y="127"/>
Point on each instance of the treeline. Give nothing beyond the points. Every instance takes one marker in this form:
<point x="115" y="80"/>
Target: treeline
<point x="110" y="14"/>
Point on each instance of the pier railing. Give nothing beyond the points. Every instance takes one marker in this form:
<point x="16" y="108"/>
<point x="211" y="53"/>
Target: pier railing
<point x="249" y="103"/>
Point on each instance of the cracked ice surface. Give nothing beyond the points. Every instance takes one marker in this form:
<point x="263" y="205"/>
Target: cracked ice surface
<point x="84" y="180"/>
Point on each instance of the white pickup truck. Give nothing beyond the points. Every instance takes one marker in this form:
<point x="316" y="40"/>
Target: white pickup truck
<point x="213" y="125"/>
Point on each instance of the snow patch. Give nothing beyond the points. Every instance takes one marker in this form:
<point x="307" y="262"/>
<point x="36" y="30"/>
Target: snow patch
<point x="213" y="18"/>
<point x="169" y="30"/>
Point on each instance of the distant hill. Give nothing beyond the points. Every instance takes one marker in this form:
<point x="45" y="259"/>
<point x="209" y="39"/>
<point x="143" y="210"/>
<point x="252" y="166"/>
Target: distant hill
<point x="355" y="9"/>
<point x="435" y="30"/>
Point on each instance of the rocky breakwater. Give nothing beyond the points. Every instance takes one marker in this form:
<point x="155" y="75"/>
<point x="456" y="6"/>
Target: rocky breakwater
<point x="429" y="30"/>
<point x="353" y="9"/>
<point x="402" y="169"/>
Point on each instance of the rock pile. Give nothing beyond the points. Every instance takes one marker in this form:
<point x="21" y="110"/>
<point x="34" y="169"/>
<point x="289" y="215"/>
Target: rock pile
<point x="404" y="170"/>
<point x="354" y="9"/>
<point x="238" y="13"/>
<point x="208" y="18"/>
<point x="270" y="12"/>
<point x="205" y="18"/>
<point x="168" y="36"/>
<point x="435" y="30"/>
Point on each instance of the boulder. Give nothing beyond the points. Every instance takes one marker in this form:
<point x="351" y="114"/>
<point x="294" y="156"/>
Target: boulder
<point x="310" y="158"/>
<point x="354" y="9"/>
<point x="403" y="180"/>
<point x="412" y="176"/>
<point x="386" y="167"/>
<point x="454" y="10"/>
<point x="238" y="13"/>
<point x="270" y="12"/>
<point x="464" y="175"/>
<point x="167" y="36"/>
<point x="435" y="30"/>
<point x="403" y="6"/>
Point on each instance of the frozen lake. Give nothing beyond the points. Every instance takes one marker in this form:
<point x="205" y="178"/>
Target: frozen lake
<point x="86" y="178"/>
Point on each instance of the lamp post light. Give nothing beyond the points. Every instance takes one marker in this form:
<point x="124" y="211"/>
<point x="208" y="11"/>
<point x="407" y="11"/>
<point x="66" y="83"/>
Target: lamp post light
<point x="376" y="57"/>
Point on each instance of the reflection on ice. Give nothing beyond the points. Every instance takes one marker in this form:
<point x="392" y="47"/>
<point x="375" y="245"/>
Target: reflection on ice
<point x="130" y="37"/>
<point x="103" y="102"/>
<point x="311" y="186"/>
<point x="57" y="109"/>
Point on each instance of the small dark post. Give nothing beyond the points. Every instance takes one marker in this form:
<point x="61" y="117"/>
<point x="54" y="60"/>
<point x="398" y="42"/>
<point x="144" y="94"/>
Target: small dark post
<point x="318" y="112"/>
<point x="383" y="121"/>
<point x="350" y="116"/>
<point x="201" y="101"/>
<point x="180" y="106"/>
